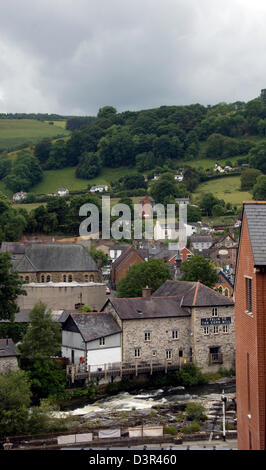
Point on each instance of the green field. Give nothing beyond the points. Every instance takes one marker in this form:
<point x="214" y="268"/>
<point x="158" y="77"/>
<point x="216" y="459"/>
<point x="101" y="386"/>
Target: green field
<point x="65" y="178"/>
<point x="15" y="132"/>
<point x="224" y="188"/>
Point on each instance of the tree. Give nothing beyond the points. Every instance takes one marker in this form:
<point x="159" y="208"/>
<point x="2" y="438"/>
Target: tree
<point x="152" y="273"/>
<point x="89" y="166"/>
<point x="5" y="166"/>
<point x="106" y="112"/>
<point x="26" y="172"/>
<point x="249" y="178"/>
<point x="57" y="156"/>
<point x="166" y="189"/>
<point x="200" y="269"/>
<point x="257" y="157"/>
<point x="42" y="150"/>
<point x="259" y="190"/>
<point x="43" y="337"/>
<point x="10" y="288"/>
<point x="207" y="203"/>
<point x="15" y="397"/>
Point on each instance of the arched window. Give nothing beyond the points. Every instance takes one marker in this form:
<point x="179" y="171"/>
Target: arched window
<point x="70" y="278"/>
<point x="48" y="278"/>
<point x="226" y="292"/>
<point x="86" y="277"/>
<point x="91" y="278"/>
<point x="64" y="278"/>
<point x="42" y="278"/>
<point x="27" y="279"/>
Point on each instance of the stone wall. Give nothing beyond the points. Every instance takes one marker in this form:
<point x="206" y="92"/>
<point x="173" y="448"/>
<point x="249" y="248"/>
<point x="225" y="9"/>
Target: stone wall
<point x="8" y="364"/>
<point x="63" y="295"/>
<point x="75" y="276"/>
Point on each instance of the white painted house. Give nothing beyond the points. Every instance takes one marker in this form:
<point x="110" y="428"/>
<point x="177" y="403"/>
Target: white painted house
<point x="19" y="196"/>
<point x="62" y="192"/>
<point x="91" y="340"/>
<point x="164" y="231"/>
<point x="99" y="188"/>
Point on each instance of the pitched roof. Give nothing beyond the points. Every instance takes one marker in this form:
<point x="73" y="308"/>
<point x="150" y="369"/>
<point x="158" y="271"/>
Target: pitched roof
<point x="256" y="222"/>
<point x="139" y="307"/>
<point x="94" y="325"/>
<point x="193" y="294"/>
<point x="54" y="257"/>
<point x="125" y="255"/>
<point x="201" y="239"/>
<point x="7" y="348"/>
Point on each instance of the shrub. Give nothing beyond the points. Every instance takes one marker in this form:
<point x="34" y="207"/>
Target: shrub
<point x="195" y="411"/>
<point x="193" y="427"/>
<point x="190" y="375"/>
<point x="170" y="430"/>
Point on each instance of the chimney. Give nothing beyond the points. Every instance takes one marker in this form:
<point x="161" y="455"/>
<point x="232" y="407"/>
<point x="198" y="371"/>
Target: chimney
<point x="146" y="292"/>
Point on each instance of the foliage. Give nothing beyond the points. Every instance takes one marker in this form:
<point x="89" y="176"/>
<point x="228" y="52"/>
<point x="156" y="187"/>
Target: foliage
<point x="189" y="375"/>
<point x="166" y="189"/>
<point x="47" y="377"/>
<point x="257" y="156"/>
<point x="152" y="273"/>
<point x="249" y="178"/>
<point x="200" y="269"/>
<point x="43" y="337"/>
<point x="89" y="166"/>
<point x="195" y="411"/>
<point x="12" y="330"/>
<point x="26" y="172"/>
<point x="259" y="189"/>
<point x="170" y="430"/>
<point x="100" y="258"/>
<point x="12" y="221"/>
<point x="15" y="396"/>
<point x="11" y="288"/>
<point x="193" y="427"/>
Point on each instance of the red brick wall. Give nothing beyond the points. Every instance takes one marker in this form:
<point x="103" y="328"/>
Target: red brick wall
<point x="122" y="269"/>
<point x="250" y="339"/>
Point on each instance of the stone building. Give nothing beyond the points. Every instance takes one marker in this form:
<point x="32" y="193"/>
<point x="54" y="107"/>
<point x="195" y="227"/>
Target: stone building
<point x="224" y="285"/>
<point x="180" y="322"/>
<point x="223" y="252"/>
<point x="52" y="262"/>
<point x="250" y="307"/>
<point x="8" y="356"/>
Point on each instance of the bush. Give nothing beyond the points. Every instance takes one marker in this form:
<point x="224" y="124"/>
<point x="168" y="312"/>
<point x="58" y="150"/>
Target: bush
<point x="193" y="427"/>
<point x="195" y="411"/>
<point x="170" y="430"/>
<point x="190" y="375"/>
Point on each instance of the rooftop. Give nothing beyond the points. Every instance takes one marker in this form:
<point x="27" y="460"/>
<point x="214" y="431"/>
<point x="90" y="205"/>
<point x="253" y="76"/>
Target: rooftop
<point x="7" y="348"/>
<point x="256" y="221"/>
<point x="153" y="307"/>
<point x="94" y="325"/>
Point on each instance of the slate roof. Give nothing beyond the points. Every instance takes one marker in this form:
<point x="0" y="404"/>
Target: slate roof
<point x="95" y="325"/>
<point x="139" y="308"/>
<point x="193" y="294"/>
<point x="256" y="222"/>
<point x="201" y="239"/>
<point x="7" y="348"/>
<point x="53" y="257"/>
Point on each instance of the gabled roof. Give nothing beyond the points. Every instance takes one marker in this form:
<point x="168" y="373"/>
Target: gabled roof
<point x="124" y="256"/>
<point x="256" y="222"/>
<point x="201" y="239"/>
<point x="94" y="325"/>
<point x="154" y="307"/>
<point x="53" y="257"/>
<point x="7" y="348"/>
<point x="193" y="294"/>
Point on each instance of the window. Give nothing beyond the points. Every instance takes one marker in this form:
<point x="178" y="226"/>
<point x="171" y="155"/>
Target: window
<point x="42" y="278"/>
<point x="226" y="292"/>
<point x="206" y="330"/>
<point x="64" y="278"/>
<point x="70" y="278"/>
<point x="175" y="334"/>
<point x="137" y="352"/>
<point x="27" y="279"/>
<point x="249" y="295"/>
<point x="154" y="352"/>
<point x="102" y="341"/>
<point x="147" y="336"/>
<point x="168" y="353"/>
<point x="91" y="278"/>
<point x="215" y="312"/>
<point x="86" y="277"/>
<point x="216" y="329"/>
<point x="48" y="278"/>
<point x="225" y="329"/>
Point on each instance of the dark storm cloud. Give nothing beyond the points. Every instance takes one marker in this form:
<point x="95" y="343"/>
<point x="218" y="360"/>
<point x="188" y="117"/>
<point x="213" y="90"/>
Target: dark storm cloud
<point x="73" y="57"/>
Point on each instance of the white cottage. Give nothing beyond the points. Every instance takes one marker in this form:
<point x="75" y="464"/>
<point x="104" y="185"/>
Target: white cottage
<point x="91" y="340"/>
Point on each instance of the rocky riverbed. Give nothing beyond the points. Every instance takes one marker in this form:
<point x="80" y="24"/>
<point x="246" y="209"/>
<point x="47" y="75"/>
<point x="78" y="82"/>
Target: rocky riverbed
<point x="165" y="406"/>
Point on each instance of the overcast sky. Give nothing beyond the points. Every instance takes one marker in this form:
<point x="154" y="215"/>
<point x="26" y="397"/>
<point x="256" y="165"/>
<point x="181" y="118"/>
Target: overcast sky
<point x="75" y="56"/>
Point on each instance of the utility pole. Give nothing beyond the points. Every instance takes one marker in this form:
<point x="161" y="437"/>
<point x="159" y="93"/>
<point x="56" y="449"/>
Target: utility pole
<point x="224" y="399"/>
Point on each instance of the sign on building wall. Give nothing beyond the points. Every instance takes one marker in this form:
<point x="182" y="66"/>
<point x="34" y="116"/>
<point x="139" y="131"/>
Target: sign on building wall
<point x="215" y="321"/>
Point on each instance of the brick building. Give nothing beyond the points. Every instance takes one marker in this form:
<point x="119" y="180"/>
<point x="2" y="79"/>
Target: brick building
<point x="122" y="264"/>
<point x="250" y="313"/>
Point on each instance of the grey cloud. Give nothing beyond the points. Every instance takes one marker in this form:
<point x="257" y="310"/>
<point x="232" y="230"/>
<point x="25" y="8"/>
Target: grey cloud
<point x="73" y="57"/>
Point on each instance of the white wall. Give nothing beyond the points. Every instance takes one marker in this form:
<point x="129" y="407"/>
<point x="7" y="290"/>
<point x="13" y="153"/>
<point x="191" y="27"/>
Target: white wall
<point x="103" y="356"/>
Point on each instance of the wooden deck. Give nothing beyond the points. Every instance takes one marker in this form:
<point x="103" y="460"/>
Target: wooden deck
<point x="103" y="371"/>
